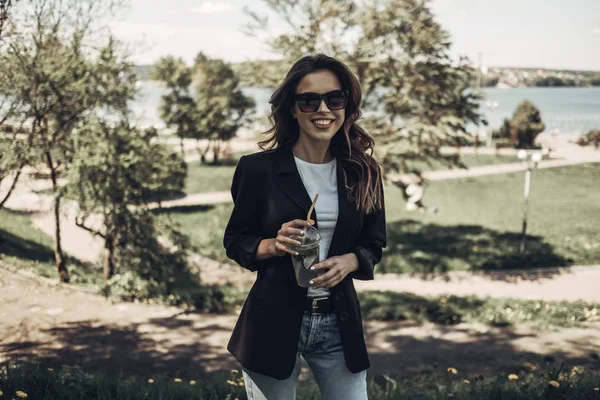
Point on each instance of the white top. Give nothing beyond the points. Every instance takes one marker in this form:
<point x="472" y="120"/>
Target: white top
<point x="321" y="179"/>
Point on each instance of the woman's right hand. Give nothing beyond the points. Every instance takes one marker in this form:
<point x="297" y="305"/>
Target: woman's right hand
<point x="291" y="228"/>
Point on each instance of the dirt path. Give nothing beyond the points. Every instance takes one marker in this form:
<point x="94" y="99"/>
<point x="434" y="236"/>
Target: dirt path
<point x="569" y="283"/>
<point x="62" y="325"/>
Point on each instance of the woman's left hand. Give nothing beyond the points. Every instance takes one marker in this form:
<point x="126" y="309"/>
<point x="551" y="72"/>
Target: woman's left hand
<point x="339" y="267"/>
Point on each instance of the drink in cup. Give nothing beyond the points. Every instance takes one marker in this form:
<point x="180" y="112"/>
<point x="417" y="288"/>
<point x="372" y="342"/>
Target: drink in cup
<point x="308" y="255"/>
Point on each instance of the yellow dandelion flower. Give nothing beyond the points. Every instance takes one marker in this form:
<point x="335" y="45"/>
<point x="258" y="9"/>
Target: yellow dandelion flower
<point x="1" y="394"/>
<point x="20" y="394"/>
<point x="596" y="389"/>
<point x="192" y="382"/>
<point x="177" y="380"/>
<point x="467" y="381"/>
<point x="232" y="383"/>
<point x="513" y="377"/>
<point x="452" y="370"/>
<point x="50" y="369"/>
<point x="554" y="383"/>
<point x="150" y="380"/>
<point x="235" y="371"/>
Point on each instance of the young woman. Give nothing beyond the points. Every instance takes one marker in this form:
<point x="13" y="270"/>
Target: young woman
<point x="314" y="146"/>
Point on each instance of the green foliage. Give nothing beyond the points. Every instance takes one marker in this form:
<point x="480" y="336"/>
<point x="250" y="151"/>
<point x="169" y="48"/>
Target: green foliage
<point x="5" y="6"/>
<point x="73" y="382"/>
<point x="554" y="81"/>
<point x="54" y="81"/>
<point x="534" y="379"/>
<point x="590" y="138"/>
<point x="526" y="124"/>
<point x="219" y="101"/>
<point x="218" y="109"/>
<point x="451" y="310"/>
<point x="118" y="165"/>
<point x="258" y="73"/>
<point x="115" y="171"/>
<point x="402" y="59"/>
<point x="177" y="108"/>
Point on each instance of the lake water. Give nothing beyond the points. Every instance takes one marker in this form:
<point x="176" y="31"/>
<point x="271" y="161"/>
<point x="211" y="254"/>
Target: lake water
<point x="568" y="111"/>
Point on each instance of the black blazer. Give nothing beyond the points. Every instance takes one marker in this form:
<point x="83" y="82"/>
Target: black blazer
<point x="267" y="191"/>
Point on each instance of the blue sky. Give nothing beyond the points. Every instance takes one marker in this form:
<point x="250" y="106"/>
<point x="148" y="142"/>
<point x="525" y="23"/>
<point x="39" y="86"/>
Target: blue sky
<point x="522" y="33"/>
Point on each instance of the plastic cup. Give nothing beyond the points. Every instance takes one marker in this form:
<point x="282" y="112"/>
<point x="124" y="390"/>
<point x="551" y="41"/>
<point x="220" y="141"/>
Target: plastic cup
<point x="308" y="255"/>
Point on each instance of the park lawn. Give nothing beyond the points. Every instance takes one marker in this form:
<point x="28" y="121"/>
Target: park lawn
<point x="535" y="379"/>
<point x="214" y="178"/>
<point x="477" y="226"/>
<point x="469" y="160"/>
<point x="24" y="246"/>
<point x="208" y="178"/>
<point x="479" y="222"/>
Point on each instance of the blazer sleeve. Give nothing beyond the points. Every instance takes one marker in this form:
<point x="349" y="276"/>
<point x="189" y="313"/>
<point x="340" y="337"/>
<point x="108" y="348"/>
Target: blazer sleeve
<point x="242" y="234"/>
<point x="372" y="240"/>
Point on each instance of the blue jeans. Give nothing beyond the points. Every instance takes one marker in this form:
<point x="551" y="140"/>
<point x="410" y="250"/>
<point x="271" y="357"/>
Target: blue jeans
<point x="320" y="345"/>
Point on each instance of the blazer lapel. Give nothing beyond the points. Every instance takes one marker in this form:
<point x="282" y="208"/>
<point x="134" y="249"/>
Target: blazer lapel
<point x="348" y="216"/>
<point x="289" y="180"/>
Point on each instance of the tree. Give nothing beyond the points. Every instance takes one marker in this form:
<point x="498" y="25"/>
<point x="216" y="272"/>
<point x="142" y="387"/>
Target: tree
<point x="177" y="107"/>
<point x="218" y="109"/>
<point x="401" y="56"/>
<point x="5" y="6"/>
<point x="221" y="106"/>
<point x="54" y="83"/>
<point x="526" y="124"/>
<point x="117" y="169"/>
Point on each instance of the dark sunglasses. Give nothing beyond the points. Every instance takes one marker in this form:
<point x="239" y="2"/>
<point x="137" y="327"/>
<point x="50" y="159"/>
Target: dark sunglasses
<point x="310" y="102"/>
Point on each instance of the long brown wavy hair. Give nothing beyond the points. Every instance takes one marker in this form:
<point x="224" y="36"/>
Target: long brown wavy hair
<point x="351" y="145"/>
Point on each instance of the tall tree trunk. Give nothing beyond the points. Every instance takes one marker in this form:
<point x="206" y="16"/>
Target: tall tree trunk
<point x="203" y="156"/>
<point x="21" y="166"/>
<point x="200" y="153"/>
<point x="216" y="151"/>
<point x="12" y="187"/>
<point x="61" y="267"/>
<point x="109" y="262"/>
<point x="181" y="146"/>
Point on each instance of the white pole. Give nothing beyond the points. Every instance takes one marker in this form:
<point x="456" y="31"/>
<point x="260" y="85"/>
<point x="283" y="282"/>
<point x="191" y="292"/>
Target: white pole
<point x="525" y="206"/>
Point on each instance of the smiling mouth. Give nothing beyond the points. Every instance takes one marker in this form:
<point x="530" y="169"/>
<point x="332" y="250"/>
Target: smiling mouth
<point x="323" y="123"/>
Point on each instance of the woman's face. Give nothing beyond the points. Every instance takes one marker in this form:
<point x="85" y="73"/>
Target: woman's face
<point x="322" y="124"/>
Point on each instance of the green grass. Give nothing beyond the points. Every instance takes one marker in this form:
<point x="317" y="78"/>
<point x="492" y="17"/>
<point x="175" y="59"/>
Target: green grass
<point x="450" y="310"/>
<point x="530" y="380"/>
<point x="208" y="178"/>
<point x="469" y="160"/>
<point x="205" y="226"/>
<point x="24" y="246"/>
<point x="479" y="223"/>
<point x="447" y="309"/>
<point x="477" y="227"/>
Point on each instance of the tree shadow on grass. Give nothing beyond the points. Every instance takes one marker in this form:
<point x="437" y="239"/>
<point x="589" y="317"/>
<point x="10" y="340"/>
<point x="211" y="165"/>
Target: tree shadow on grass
<point x="184" y="209"/>
<point x="193" y="348"/>
<point x="26" y="249"/>
<point x="431" y="250"/>
<point x="16" y="246"/>
<point x="142" y="349"/>
<point x="399" y="349"/>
